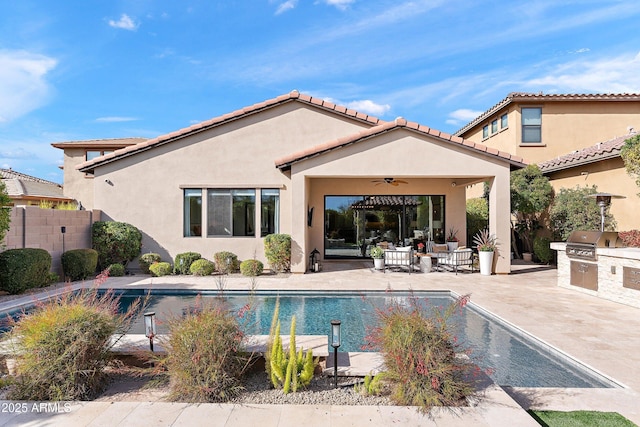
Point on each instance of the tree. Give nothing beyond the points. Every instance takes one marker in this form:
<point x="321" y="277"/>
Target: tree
<point x="5" y="212"/>
<point x="572" y="210"/>
<point x="630" y="154"/>
<point x="477" y="216"/>
<point x="531" y="195"/>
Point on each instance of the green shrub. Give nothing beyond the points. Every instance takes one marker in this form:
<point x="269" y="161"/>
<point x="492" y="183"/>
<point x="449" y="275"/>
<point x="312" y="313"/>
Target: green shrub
<point x="5" y="213"/>
<point x="251" y="267"/>
<point x="53" y="278"/>
<point x="22" y="269"/>
<point x="477" y="216"/>
<point x="419" y="354"/>
<point x="572" y="210"/>
<point x="277" y="249"/>
<point x="202" y="267"/>
<point x="183" y="262"/>
<point x="227" y="262"/>
<point x="116" y="270"/>
<point x="160" y="269"/>
<point x="146" y="260"/>
<point x="116" y="242"/>
<point x="542" y="249"/>
<point x="205" y="359"/>
<point x="79" y="264"/>
<point x="63" y="346"/>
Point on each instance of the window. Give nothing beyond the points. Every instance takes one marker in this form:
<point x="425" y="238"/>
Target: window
<point x="192" y="212"/>
<point x="270" y="212"/>
<point x="531" y="125"/>
<point x="504" y="121"/>
<point x="93" y="154"/>
<point x="485" y="131"/>
<point x="231" y="212"/>
<point x="494" y="126"/>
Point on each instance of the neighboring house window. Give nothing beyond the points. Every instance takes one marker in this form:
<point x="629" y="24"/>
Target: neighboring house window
<point x="532" y="125"/>
<point x="485" y="131"/>
<point x="504" y="121"/>
<point x="270" y="211"/>
<point x="231" y="212"/>
<point x="93" y="154"/>
<point x="494" y="126"/>
<point x="192" y="212"/>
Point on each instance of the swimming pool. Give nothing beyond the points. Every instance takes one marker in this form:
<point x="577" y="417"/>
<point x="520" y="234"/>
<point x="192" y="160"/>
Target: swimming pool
<point x="513" y="357"/>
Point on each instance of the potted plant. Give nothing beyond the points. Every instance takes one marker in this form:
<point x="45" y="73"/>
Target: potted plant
<point x="452" y="239"/>
<point x="421" y="247"/>
<point x="486" y="244"/>
<point x="377" y="254"/>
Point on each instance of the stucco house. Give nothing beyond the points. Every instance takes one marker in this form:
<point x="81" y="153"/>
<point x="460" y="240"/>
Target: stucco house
<point x="574" y="138"/>
<point x="335" y="179"/>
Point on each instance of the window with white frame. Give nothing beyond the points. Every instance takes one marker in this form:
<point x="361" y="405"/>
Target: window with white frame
<point x="494" y="126"/>
<point x="532" y="125"/>
<point x="485" y="131"/>
<point x="269" y="211"/>
<point x="504" y="121"/>
<point x="192" y="212"/>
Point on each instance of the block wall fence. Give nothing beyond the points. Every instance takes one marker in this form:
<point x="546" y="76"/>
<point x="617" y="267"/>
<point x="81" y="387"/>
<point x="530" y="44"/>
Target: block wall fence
<point x="33" y="227"/>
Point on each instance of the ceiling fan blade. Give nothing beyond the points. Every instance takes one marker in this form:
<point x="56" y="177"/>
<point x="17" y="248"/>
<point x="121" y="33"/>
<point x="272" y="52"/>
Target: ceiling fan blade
<point x="399" y="181"/>
<point x="395" y="183"/>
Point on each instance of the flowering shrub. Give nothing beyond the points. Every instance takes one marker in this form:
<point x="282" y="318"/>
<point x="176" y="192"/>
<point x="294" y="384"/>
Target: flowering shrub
<point x="630" y="238"/>
<point x="420" y="354"/>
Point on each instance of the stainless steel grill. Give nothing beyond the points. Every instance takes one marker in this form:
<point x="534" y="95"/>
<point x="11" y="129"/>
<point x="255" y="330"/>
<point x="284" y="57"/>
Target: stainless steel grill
<point x="583" y="244"/>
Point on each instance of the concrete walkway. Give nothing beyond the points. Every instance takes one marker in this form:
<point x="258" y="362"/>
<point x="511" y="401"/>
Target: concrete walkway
<point x="601" y="334"/>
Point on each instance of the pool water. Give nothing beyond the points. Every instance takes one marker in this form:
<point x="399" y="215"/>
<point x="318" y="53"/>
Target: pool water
<point x="512" y="358"/>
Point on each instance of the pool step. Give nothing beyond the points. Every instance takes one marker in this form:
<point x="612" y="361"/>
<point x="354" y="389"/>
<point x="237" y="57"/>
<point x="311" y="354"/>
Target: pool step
<point x="355" y="364"/>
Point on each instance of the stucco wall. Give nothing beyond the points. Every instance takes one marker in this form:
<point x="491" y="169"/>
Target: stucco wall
<point x="32" y="227"/>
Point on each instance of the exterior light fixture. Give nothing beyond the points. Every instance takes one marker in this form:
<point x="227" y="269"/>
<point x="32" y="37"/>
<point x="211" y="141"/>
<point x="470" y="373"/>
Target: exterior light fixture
<point x="335" y="343"/>
<point x="313" y="261"/>
<point x="150" y="327"/>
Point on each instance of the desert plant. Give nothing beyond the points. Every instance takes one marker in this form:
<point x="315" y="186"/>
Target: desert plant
<point x="485" y="241"/>
<point x="45" y="204"/>
<point x="160" y="269"/>
<point x="66" y="206"/>
<point x="420" y="354"/>
<point x="293" y="370"/>
<point x="251" y="267"/>
<point x="202" y="267"/>
<point x="205" y="359"/>
<point x="572" y="210"/>
<point x="371" y="385"/>
<point x="146" y="260"/>
<point x="64" y="344"/>
<point x="116" y="270"/>
<point x="79" y="264"/>
<point x="116" y="242"/>
<point x="277" y="249"/>
<point x="542" y="249"/>
<point x="630" y="238"/>
<point x="452" y="235"/>
<point x="22" y="269"/>
<point x="226" y="262"/>
<point x="183" y="262"/>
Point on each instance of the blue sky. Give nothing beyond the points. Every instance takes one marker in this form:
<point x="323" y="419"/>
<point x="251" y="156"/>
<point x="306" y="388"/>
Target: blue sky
<point x="72" y="70"/>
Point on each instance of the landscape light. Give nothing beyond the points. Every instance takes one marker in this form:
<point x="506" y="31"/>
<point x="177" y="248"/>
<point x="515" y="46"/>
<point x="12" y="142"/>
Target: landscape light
<point x="335" y="343"/>
<point x="150" y="327"/>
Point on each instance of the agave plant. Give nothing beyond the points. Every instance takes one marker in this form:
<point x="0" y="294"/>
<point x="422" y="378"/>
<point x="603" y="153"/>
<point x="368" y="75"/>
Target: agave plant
<point x="485" y="241"/>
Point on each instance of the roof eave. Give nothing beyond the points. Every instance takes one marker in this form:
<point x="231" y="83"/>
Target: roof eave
<point x="581" y="162"/>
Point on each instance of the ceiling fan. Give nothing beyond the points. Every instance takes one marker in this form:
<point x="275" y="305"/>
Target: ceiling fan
<point x="390" y="181"/>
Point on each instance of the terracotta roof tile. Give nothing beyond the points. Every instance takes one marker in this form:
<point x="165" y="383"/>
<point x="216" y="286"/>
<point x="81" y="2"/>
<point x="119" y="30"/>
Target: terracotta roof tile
<point x="540" y="97"/>
<point x="600" y="151"/>
<point x="293" y="95"/>
<point x="286" y="161"/>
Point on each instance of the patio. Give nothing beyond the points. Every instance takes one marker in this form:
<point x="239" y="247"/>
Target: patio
<point x="599" y="333"/>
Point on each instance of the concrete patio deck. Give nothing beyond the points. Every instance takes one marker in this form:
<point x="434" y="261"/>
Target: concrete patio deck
<point x="602" y="334"/>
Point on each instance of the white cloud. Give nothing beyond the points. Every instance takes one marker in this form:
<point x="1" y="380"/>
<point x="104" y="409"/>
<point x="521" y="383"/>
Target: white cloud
<point x="23" y="84"/>
<point x="340" y="4"/>
<point x="370" y="107"/>
<point x="115" y="119"/>
<point x="286" y="6"/>
<point x="125" y="22"/>
<point x="463" y="115"/>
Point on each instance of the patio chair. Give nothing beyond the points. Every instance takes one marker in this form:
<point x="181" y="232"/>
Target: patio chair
<point x="400" y="257"/>
<point x="455" y="259"/>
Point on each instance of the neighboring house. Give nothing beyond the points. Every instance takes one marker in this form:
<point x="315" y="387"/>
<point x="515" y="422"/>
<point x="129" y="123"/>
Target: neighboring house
<point x="599" y="164"/>
<point x="27" y="190"/>
<point x="568" y="136"/>
<point x="76" y="152"/>
<point x="303" y="166"/>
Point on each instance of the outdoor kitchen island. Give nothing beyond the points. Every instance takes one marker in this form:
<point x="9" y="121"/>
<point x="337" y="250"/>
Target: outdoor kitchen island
<point x="608" y="272"/>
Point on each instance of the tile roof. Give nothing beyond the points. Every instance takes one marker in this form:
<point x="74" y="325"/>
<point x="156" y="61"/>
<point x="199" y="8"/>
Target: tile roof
<point x="600" y="151"/>
<point x="21" y="185"/>
<point x="540" y="97"/>
<point x="99" y="143"/>
<point x="293" y="96"/>
<point x="286" y="162"/>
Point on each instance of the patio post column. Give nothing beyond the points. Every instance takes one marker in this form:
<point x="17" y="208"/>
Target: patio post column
<point x="499" y="220"/>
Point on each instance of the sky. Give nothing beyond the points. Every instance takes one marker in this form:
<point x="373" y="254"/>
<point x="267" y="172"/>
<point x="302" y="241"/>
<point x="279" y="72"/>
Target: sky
<point x="88" y="69"/>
